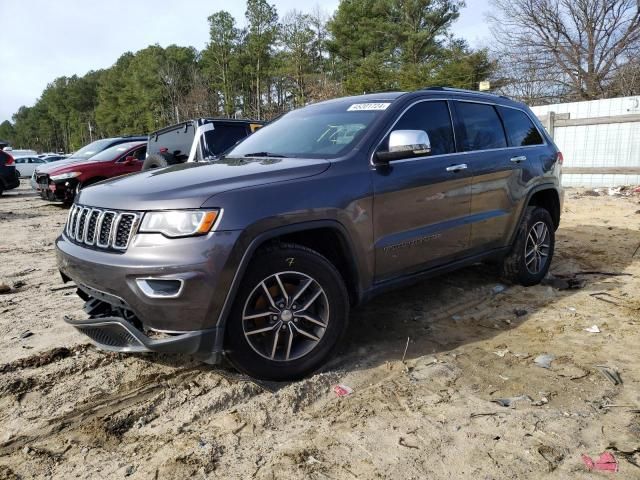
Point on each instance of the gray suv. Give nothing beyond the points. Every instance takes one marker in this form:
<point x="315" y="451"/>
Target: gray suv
<point x="260" y="255"/>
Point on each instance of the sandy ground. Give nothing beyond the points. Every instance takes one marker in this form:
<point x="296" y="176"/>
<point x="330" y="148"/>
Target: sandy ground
<point x="68" y="410"/>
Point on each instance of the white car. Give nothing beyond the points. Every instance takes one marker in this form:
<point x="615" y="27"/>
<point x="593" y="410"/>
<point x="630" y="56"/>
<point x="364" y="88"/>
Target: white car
<point x="27" y="165"/>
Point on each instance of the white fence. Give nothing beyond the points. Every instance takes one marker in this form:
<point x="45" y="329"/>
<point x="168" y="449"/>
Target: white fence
<point x="599" y="139"/>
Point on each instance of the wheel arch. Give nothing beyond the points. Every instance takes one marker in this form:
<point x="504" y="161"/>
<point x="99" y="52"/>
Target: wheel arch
<point x="327" y="237"/>
<point x="549" y="199"/>
<point x="547" y="196"/>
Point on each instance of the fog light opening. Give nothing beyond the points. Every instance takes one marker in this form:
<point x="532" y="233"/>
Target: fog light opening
<point x="160" y="288"/>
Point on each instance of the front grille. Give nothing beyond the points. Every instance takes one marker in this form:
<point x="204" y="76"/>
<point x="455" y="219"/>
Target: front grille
<point x="105" y="229"/>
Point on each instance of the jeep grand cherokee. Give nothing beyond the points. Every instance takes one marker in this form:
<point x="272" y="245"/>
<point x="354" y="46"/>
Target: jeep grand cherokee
<point x="260" y="255"/>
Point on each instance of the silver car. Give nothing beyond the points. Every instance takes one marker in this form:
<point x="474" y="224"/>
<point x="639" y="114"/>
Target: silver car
<point x="27" y="165"/>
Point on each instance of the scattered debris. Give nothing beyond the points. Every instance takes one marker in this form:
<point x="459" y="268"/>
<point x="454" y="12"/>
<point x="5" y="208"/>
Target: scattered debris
<point x="564" y="283"/>
<point x="406" y="347"/>
<point x="544" y="399"/>
<point x="606" y="462"/>
<point x="522" y="355"/>
<point x="63" y="287"/>
<point x="511" y="402"/>
<point x="402" y="442"/>
<point x="552" y="455"/>
<point x="498" y="288"/>
<point x="311" y="460"/>
<point x="487" y="414"/>
<point x="592" y="329"/>
<point x="342" y="390"/>
<point x="237" y="430"/>
<point x="520" y="312"/>
<point x="572" y="309"/>
<point x="26" y="334"/>
<point x="610" y="374"/>
<point x="501" y="353"/>
<point x="605" y="274"/>
<point x="24" y="272"/>
<point x="544" y="360"/>
<point x="4" y="288"/>
<point x="19" y="284"/>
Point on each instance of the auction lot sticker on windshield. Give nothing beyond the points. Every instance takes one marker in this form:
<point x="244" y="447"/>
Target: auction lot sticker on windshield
<point x="359" y="107"/>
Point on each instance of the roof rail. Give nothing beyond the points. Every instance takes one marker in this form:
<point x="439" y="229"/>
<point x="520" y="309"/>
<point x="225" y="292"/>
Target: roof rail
<point x="463" y="90"/>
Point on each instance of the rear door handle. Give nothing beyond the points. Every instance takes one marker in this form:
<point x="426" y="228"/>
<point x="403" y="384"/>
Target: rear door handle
<point x="457" y="168"/>
<point x="519" y="159"/>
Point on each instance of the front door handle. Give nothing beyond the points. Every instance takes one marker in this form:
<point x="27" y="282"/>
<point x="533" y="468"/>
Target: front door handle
<point x="519" y="159"/>
<point x="457" y="168"/>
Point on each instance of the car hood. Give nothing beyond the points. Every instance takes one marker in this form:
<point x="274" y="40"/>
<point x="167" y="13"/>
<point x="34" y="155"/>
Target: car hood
<point x="189" y="185"/>
<point x="51" y="166"/>
<point x="61" y="167"/>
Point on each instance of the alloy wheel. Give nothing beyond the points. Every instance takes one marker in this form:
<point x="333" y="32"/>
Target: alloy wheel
<point x="537" y="248"/>
<point x="285" y="316"/>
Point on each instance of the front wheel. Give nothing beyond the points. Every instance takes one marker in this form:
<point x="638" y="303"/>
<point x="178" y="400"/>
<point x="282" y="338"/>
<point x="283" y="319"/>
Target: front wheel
<point x="532" y="252"/>
<point x="291" y="311"/>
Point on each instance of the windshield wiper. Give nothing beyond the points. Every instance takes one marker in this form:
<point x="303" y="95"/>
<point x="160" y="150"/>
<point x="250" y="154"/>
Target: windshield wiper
<point x="265" y="154"/>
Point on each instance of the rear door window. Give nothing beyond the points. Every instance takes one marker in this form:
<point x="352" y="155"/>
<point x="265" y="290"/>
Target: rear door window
<point x="433" y="117"/>
<point x="224" y="136"/>
<point x="480" y="125"/>
<point x="520" y="129"/>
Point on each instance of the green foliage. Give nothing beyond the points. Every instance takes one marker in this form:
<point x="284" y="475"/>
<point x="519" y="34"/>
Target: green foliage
<point x="7" y="132"/>
<point x="259" y="71"/>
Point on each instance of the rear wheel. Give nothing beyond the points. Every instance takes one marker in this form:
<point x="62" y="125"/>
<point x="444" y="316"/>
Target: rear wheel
<point x="159" y="160"/>
<point x="290" y="313"/>
<point x="532" y="252"/>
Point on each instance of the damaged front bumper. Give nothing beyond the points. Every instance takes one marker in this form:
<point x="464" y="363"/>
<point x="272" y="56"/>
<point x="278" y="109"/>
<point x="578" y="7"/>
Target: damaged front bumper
<point x="115" y="334"/>
<point x="113" y="327"/>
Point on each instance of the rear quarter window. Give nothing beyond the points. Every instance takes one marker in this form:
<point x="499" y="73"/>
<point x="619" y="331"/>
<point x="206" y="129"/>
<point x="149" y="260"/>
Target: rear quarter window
<point x="520" y="129"/>
<point x="480" y="126"/>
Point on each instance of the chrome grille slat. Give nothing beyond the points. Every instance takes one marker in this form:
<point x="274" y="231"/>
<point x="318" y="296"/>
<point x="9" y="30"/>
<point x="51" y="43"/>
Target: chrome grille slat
<point x="103" y="229"/>
<point x="90" y="227"/>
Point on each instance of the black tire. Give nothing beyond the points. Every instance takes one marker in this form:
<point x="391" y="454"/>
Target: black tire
<point x="158" y="160"/>
<point x="519" y="266"/>
<point x="290" y="262"/>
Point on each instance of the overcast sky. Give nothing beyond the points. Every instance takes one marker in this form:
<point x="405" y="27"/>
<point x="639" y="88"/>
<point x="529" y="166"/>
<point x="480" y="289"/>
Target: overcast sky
<point x="43" y="39"/>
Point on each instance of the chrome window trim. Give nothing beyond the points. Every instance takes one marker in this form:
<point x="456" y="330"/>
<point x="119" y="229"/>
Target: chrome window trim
<point x="544" y="139"/>
<point x="373" y="164"/>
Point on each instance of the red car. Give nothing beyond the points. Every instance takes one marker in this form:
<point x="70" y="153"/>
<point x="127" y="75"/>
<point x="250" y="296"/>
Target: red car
<point x="62" y="182"/>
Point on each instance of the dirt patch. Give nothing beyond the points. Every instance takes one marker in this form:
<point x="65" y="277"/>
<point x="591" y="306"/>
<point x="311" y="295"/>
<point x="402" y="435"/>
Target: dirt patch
<point x="430" y="367"/>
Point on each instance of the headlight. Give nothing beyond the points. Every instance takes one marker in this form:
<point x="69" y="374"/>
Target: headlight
<point x="65" y="176"/>
<point x="179" y="223"/>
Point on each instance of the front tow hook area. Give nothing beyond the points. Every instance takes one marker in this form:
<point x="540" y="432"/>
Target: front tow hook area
<point x="115" y="334"/>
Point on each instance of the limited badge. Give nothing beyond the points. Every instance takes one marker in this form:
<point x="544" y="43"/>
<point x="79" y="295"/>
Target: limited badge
<point x="368" y="107"/>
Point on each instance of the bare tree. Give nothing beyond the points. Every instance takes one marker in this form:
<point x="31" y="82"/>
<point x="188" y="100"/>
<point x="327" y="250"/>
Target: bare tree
<point x="578" y="44"/>
<point x="626" y="82"/>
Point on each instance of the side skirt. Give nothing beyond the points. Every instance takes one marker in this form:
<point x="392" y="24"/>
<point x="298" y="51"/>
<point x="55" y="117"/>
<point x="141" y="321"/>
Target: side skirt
<point x="407" y="280"/>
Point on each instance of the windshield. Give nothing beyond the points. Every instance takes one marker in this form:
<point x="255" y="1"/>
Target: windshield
<point x="321" y="131"/>
<point x="93" y="148"/>
<point x="112" y="153"/>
